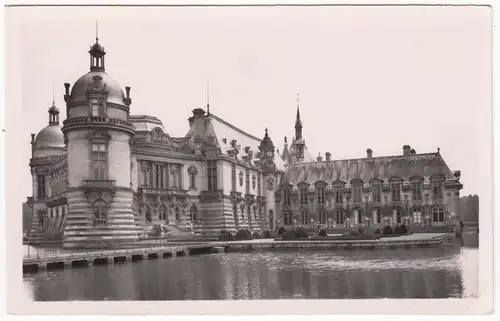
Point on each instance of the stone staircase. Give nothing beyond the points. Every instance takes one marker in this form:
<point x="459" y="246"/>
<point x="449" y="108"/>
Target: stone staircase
<point x="37" y="232"/>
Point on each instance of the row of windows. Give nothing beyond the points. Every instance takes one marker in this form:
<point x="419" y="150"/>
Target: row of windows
<point x="160" y="177"/>
<point x="357" y="193"/>
<point x="162" y="213"/>
<point x="340" y="217"/>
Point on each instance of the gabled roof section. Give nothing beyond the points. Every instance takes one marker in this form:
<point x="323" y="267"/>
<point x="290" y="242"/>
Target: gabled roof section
<point x="423" y="165"/>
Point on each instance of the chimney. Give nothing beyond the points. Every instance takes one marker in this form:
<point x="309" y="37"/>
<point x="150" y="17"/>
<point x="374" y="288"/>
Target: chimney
<point x="319" y="158"/>
<point x="406" y="150"/>
<point x="369" y="153"/>
<point x="191" y="121"/>
<point x="328" y="156"/>
<point x="199" y="121"/>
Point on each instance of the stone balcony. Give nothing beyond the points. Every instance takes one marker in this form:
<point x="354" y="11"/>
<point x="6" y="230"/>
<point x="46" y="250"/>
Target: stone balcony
<point x="56" y="200"/>
<point x="92" y="121"/>
<point x="99" y="185"/>
<point x="163" y="191"/>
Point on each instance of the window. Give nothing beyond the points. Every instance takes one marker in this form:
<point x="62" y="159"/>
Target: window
<point x="438" y="215"/>
<point x="255" y="213"/>
<point x="376" y="192"/>
<point x="303" y="196"/>
<point x="192" y="172"/>
<point x="99" y="161"/>
<point x="397" y="215"/>
<point x="322" y="217"/>
<point x="100" y="213"/>
<point x="212" y="175"/>
<point x="305" y="218"/>
<point x="396" y="191"/>
<point x="437" y="190"/>
<point x="417" y="215"/>
<point x="162" y="213"/>
<point x="321" y="195"/>
<point x="287" y="218"/>
<point x="233" y="176"/>
<point x="286" y="197"/>
<point x="377" y="216"/>
<point x="193" y="213"/>
<point x="147" y="211"/>
<point x="158" y="176"/>
<point x="41" y="186"/>
<point x="338" y="195"/>
<point x="235" y="215"/>
<point x="339" y="216"/>
<point x="416" y="191"/>
<point x="95" y="107"/>
<point x="144" y="174"/>
<point x="177" y="214"/>
<point x="358" y="218"/>
<point x="356" y="193"/>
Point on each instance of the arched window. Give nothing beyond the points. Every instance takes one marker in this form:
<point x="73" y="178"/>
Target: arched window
<point x="162" y="212"/>
<point x="287" y="218"/>
<point x="99" y="161"/>
<point x="305" y="218"/>
<point x="177" y="214"/>
<point x="193" y="213"/>
<point x="322" y="216"/>
<point x="100" y="212"/>
<point x="339" y="216"/>
<point x="438" y="215"/>
<point x="271" y="219"/>
<point x="417" y="215"/>
<point x="147" y="211"/>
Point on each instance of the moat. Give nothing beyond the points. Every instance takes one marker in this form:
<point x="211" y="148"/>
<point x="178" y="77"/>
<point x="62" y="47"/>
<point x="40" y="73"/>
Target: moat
<point x="444" y="272"/>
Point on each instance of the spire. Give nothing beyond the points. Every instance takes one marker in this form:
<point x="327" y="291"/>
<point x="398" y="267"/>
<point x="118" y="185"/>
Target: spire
<point x="298" y="122"/>
<point x="208" y="99"/>
<point x="53" y="114"/>
<point x="97" y="53"/>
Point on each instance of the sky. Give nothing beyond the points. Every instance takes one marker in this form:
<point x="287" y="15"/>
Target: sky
<point x="368" y="77"/>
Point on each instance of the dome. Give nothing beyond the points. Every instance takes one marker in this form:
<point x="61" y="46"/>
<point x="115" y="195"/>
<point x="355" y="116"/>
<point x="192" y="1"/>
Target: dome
<point x="50" y="137"/>
<point x="79" y="90"/>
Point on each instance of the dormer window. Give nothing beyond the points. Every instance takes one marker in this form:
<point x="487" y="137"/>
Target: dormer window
<point x="97" y="108"/>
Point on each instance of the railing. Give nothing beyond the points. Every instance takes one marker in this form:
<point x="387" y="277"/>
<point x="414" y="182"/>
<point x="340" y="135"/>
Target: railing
<point x="98" y="120"/>
<point x="99" y="184"/>
<point x="163" y="191"/>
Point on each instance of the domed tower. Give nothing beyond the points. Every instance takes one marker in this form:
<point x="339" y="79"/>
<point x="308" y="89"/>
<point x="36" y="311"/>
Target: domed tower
<point x="98" y="134"/>
<point x="268" y="161"/>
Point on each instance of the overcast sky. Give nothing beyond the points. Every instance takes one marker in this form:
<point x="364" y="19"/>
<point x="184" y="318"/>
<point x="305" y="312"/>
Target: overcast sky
<point x="368" y="77"/>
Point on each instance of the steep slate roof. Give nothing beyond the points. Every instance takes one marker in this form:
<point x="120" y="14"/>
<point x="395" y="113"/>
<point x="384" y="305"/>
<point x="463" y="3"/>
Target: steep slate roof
<point x="224" y="130"/>
<point x="424" y="165"/>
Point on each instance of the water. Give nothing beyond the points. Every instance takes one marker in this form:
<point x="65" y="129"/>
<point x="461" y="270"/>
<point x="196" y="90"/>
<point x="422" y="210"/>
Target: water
<point x="450" y="271"/>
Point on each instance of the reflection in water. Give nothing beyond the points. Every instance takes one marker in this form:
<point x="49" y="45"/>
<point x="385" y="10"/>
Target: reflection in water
<point x="450" y="271"/>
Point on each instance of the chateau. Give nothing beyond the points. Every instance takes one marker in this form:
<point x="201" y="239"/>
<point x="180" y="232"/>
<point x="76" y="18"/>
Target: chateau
<point x="107" y="175"/>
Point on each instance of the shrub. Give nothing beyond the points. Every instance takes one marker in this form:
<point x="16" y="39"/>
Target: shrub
<point x="256" y="235"/>
<point x="377" y="231"/>
<point x="404" y="229"/>
<point x="361" y="231"/>
<point x="322" y="233"/>
<point x="267" y="235"/>
<point x="301" y="232"/>
<point x="225" y="236"/>
<point x="243" y="235"/>
<point x="397" y="230"/>
<point x="354" y="233"/>
<point x="387" y="230"/>
<point x="281" y="230"/>
<point x="289" y="235"/>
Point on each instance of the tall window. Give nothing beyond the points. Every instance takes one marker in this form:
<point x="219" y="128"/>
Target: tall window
<point x="356" y="193"/>
<point x="303" y="196"/>
<point x="377" y="216"/>
<point x="358" y="218"/>
<point x="41" y="186"/>
<point x="321" y="195"/>
<point x="287" y="218"/>
<point x="397" y="215"/>
<point x="255" y="213"/>
<point x="305" y="218"/>
<point x="158" y="176"/>
<point x="212" y="175"/>
<point x="438" y="215"/>
<point x="162" y="213"/>
<point x="144" y="174"/>
<point x="177" y="214"/>
<point x="437" y="190"/>
<point x="416" y="191"/>
<point x="192" y="172"/>
<point x="233" y="176"/>
<point x="339" y="197"/>
<point x="376" y="191"/>
<point x="417" y="215"/>
<point x="100" y="217"/>
<point x="259" y="188"/>
<point x="339" y="216"/>
<point x="95" y="107"/>
<point x="286" y="197"/>
<point x="322" y="216"/>
<point x="396" y="191"/>
<point x="99" y="161"/>
<point x="193" y="213"/>
<point x="147" y="211"/>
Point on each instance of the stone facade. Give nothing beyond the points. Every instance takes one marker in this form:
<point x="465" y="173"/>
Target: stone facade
<point x="107" y="175"/>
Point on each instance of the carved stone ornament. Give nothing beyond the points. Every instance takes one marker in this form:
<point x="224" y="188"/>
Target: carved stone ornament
<point x="270" y="184"/>
<point x="253" y="181"/>
<point x="98" y="135"/>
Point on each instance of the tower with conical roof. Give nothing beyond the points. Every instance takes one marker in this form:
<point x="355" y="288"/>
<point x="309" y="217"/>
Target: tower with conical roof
<point x="299" y="141"/>
<point x="98" y="136"/>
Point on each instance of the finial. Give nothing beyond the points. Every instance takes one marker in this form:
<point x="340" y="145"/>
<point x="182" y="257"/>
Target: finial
<point x="298" y="100"/>
<point x="266" y="131"/>
<point x="53" y="96"/>
<point x="285" y="140"/>
<point x="208" y="98"/>
<point x="96" y="31"/>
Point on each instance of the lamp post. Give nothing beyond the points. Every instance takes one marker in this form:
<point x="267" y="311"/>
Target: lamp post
<point x="329" y="223"/>
<point x="312" y="223"/>
<point x="293" y="225"/>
